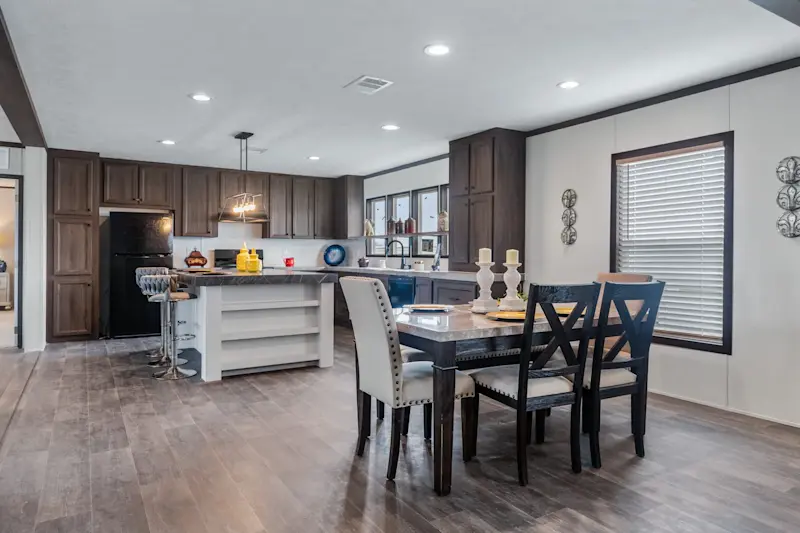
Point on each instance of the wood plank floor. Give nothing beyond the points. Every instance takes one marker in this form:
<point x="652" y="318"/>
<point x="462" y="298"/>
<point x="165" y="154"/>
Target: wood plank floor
<point x="97" y="446"/>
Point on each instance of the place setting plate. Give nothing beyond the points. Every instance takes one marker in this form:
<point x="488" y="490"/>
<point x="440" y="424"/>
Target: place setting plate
<point x="428" y="308"/>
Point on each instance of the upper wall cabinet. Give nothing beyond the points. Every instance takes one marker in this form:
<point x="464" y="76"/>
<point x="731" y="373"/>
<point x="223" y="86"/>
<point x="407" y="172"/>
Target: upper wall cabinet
<point x="348" y="202"/>
<point x="323" y="209"/>
<point x="280" y="206"/>
<point x="128" y="183"/>
<point x="74" y="186"/>
<point x="303" y="208"/>
<point x="199" y="210"/>
<point x="487" y="182"/>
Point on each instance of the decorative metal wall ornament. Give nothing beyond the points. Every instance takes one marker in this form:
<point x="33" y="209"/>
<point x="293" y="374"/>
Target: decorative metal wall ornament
<point x="569" y="217"/>
<point x="569" y="198"/>
<point x="569" y="234"/>
<point x="789" y="169"/>
<point x="788" y="172"/>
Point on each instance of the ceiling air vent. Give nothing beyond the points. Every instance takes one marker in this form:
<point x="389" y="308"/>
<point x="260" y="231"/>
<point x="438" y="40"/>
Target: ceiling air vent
<point x="368" y="84"/>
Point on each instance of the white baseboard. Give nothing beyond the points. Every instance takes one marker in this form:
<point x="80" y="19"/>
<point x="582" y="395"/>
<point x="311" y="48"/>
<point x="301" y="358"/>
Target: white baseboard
<point x="725" y="408"/>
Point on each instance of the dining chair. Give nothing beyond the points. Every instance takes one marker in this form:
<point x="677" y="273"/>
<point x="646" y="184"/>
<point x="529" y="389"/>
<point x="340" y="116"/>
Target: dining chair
<point x="613" y="373"/>
<point x="534" y="385"/>
<point x="380" y="370"/>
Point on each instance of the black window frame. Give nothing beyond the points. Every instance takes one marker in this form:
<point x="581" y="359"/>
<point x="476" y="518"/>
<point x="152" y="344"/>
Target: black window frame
<point x="375" y="223"/>
<point x="727" y="140"/>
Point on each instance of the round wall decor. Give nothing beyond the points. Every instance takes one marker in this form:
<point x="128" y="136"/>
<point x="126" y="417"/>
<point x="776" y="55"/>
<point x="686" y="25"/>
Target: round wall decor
<point x="569" y="235"/>
<point x="569" y="217"/>
<point x="789" y="197"/>
<point x="789" y="225"/>
<point x="569" y="198"/>
<point x="788" y="170"/>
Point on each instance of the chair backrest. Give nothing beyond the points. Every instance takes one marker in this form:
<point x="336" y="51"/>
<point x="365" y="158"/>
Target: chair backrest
<point x="633" y="307"/>
<point x="149" y="271"/>
<point x="154" y="284"/>
<point x="532" y="364"/>
<point x="637" y="326"/>
<point x="402" y="290"/>
<point x="380" y="364"/>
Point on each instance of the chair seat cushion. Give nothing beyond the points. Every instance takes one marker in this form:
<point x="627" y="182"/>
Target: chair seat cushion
<point x="613" y="377"/>
<point x="418" y="384"/>
<point x="173" y="297"/>
<point x="505" y="380"/>
<point x="412" y="354"/>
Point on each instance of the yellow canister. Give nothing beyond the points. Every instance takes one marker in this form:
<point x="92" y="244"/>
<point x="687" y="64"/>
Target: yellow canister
<point x="242" y="258"/>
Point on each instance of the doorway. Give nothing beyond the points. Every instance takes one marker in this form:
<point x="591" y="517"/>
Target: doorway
<point x="10" y="265"/>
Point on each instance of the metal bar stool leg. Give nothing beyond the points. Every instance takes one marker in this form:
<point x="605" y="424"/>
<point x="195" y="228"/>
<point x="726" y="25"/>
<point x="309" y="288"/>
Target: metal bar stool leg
<point x="174" y="372"/>
<point x="166" y="354"/>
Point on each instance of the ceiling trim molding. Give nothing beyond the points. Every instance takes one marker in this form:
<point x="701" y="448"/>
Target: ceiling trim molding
<point x="786" y="9"/>
<point x="408" y="165"/>
<point x="11" y="145"/>
<point x="14" y="96"/>
<point x="674" y="95"/>
<point x="647" y="102"/>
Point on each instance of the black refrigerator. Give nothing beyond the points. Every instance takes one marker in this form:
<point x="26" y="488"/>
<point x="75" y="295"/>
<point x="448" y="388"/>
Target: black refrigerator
<point x="129" y="241"/>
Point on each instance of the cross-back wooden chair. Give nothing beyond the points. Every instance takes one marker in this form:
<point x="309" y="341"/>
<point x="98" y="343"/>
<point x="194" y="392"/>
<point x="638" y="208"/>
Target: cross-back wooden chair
<point x="610" y="375"/>
<point x="533" y="385"/>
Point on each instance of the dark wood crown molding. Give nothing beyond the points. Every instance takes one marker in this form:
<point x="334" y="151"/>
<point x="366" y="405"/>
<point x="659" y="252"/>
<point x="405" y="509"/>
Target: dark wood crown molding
<point x="15" y="100"/>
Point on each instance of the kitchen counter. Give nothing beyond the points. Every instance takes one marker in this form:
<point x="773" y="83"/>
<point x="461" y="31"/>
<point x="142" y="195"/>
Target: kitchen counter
<point x="277" y="276"/>
<point x="257" y="322"/>
<point x="452" y="276"/>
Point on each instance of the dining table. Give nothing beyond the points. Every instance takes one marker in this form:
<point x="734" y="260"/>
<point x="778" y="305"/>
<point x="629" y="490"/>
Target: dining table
<point x="461" y="339"/>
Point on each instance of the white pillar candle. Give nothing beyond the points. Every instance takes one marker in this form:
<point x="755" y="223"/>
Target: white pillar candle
<point x="512" y="256"/>
<point x="485" y="255"/>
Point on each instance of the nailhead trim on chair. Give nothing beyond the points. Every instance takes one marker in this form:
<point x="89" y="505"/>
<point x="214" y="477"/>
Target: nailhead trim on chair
<point x="426" y="401"/>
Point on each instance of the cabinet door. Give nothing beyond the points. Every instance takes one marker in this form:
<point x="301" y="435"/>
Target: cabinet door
<point x="280" y="206"/>
<point x="481" y="166"/>
<point x="459" y="169"/>
<point x="72" y="246"/>
<point x="424" y="291"/>
<point x="230" y="183"/>
<point x="459" y="230"/>
<point x="323" y="209"/>
<point x="200" y="198"/>
<point x="453" y="292"/>
<point x="73" y="186"/>
<point x="258" y="183"/>
<point x="156" y="183"/>
<point x="481" y="225"/>
<point x="303" y="208"/>
<point x="120" y="183"/>
<point x="73" y="306"/>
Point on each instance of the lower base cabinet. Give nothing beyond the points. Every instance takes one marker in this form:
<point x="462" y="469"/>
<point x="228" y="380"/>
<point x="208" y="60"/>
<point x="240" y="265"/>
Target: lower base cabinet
<point x="448" y="292"/>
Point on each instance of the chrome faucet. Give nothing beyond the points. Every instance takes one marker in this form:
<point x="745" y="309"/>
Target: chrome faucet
<point x="403" y="265"/>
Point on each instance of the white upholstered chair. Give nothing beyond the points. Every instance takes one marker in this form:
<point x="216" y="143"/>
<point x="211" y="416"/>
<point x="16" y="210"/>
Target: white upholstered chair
<point x="380" y="369"/>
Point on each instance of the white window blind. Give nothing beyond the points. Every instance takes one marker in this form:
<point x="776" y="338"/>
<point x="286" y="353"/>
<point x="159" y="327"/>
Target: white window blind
<point x="671" y="225"/>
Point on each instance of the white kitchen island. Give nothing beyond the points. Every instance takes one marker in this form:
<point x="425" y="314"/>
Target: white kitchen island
<point x="246" y="323"/>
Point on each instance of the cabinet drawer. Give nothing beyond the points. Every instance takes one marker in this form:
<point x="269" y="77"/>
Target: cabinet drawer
<point x="453" y="292"/>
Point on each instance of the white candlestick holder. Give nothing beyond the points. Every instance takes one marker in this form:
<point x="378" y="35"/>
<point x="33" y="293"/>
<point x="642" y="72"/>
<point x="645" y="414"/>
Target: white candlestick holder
<point x="512" y="301"/>
<point x="484" y="303"/>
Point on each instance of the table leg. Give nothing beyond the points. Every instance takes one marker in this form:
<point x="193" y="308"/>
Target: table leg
<point x="444" y="385"/>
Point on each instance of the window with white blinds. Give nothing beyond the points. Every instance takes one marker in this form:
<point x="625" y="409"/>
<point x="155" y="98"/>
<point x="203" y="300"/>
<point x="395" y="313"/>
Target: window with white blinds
<point x="671" y="224"/>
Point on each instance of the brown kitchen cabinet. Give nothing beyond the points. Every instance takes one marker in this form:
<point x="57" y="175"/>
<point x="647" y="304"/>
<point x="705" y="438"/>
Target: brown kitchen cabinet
<point x="199" y="211"/>
<point x="323" y="209"/>
<point x="233" y="182"/>
<point x="303" y="208"/>
<point x="74" y="186"/>
<point x="487" y="196"/>
<point x="73" y="307"/>
<point x="127" y="183"/>
<point x="447" y="292"/>
<point x="348" y="201"/>
<point x="280" y="206"/>
<point x="72" y="241"/>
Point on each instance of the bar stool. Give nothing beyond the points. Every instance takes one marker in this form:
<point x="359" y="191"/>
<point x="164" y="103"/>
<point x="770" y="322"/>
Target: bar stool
<point x="160" y="353"/>
<point x="161" y="289"/>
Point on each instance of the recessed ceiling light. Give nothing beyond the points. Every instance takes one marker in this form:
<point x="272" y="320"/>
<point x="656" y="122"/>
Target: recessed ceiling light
<point x="390" y="127"/>
<point x="568" y="84"/>
<point x="314" y="157"/>
<point x="200" y="97"/>
<point x="167" y="141"/>
<point x="437" y="50"/>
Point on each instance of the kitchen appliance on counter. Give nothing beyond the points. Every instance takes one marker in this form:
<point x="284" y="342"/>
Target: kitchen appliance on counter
<point x="129" y="241"/>
<point x="227" y="258"/>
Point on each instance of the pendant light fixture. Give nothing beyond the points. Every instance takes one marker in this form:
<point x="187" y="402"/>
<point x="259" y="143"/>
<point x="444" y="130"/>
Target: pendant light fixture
<point x="244" y="207"/>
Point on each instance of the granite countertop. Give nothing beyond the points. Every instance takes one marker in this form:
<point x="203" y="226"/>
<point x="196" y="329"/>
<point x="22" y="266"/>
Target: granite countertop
<point x="276" y="276"/>
<point x="454" y="276"/>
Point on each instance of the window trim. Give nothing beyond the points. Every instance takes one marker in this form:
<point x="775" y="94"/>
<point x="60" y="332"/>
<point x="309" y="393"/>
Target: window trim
<point x="415" y="200"/>
<point x="367" y="241"/>
<point x="727" y="139"/>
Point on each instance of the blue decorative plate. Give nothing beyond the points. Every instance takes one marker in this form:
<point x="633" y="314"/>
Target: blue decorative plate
<point x="334" y="255"/>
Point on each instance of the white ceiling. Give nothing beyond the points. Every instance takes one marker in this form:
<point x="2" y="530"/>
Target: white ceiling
<point x="113" y="76"/>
